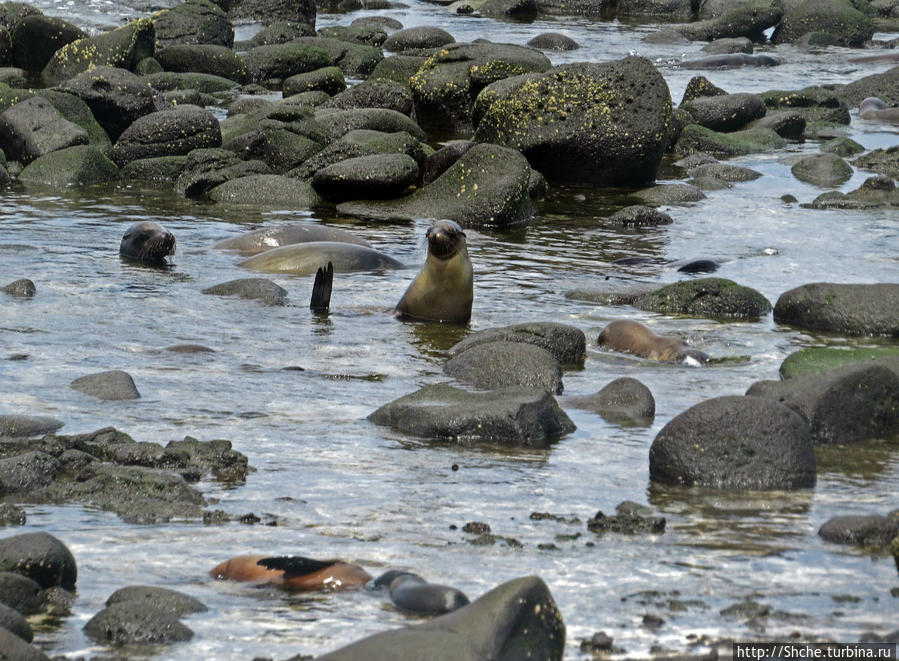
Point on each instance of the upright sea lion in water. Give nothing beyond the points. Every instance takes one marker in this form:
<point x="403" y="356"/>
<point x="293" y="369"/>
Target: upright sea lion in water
<point x="147" y="243"/>
<point x="294" y="572"/>
<point x="637" y="339"/>
<point x="444" y="289"/>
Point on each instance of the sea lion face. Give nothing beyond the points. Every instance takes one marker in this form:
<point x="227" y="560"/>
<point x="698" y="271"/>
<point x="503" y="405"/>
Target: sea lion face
<point x="444" y="239"/>
<point x="148" y="243"/>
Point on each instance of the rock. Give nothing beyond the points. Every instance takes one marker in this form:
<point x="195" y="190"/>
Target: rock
<point x="695" y="138"/>
<point x="517" y="9"/>
<point x="22" y="288"/>
<point x="735" y="443"/>
<point x="639" y="215"/>
<point x="356" y="60"/>
<point x="27" y="472"/>
<point x="625" y="401"/>
<point x="839" y="19"/>
<point x="845" y="405"/>
<point x="600" y="124"/>
<point x="822" y="170"/>
<point x="41" y="557"/>
<point x="712" y="298"/>
<point x="500" y="364"/>
<point x="204" y="83"/>
<point x="670" y="194"/>
<point x="252" y="288"/>
<point x="700" y="87"/>
<point x="33" y="127"/>
<point x="814" y="360"/>
<point x="355" y="34"/>
<point x="378" y="176"/>
<point x="16" y="649"/>
<point x="74" y="166"/>
<point x="728" y="112"/>
<point x="814" y="103"/>
<point x="521" y="417"/>
<point x="486" y="187"/>
<point x="327" y="79"/>
<point x="132" y="622"/>
<point x="116" y="97"/>
<point x="337" y="123"/>
<point x="884" y="86"/>
<point x="749" y="20"/>
<point x="19" y="592"/>
<point x="281" y="32"/>
<point x="283" y="61"/>
<point x="172" y="132"/>
<point x="270" y="11"/>
<point x="36" y="38"/>
<point x="517" y="619"/>
<point x="626" y="524"/>
<point x="157" y="599"/>
<point x="566" y="343"/>
<point x="399" y="68"/>
<point x="161" y="169"/>
<point x="872" y="530"/>
<point x="123" y="47"/>
<point x="203" y="58"/>
<point x="111" y="385"/>
<point x="875" y="192"/>
<point x="553" y="41"/>
<point x="193" y="22"/>
<point x="363" y="142"/>
<point x="845" y="309"/>
<point x="882" y="161"/>
<point x="281" y="149"/>
<point x="268" y="190"/>
<point x="423" y="36"/>
<point x="724" y="171"/>
<point x="379" y="93"/>
<point x="728" y="45"/>
<point x="10" y="515"/>
<point x="14" y="623"/>
<point x="74" y="109"/>
<point x="380" y="21"/>
<point x="205" y="169"/>
<point x="447" y="84"/>
<point x="786" y="123"/>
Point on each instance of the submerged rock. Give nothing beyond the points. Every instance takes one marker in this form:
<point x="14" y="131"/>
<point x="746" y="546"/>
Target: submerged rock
<point x="22" y="288"/>
<point x="875" y="193"/>
<point x="626" y="523"/>
<point x="825" y="169"/>
<point x="625" y="401"/>
<point x="110" y="385"/>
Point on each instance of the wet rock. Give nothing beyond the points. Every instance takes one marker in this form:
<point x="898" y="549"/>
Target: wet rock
<point x="872" y="530"/>
<point x="884" y="86"/>
<point x="839" y="19"/>
<point x="270" y="11"/>
<point x="131" y="622"/>
<point x="745" y="610"/>
<point x="19" y="592"/>
<point x="81" y="165"/>
<point x="157" y="599"/>
<point x="269" y="190"/>
<point x="845" y="405"/>
<point x="749" y="20"/>
<point x="388" y="23"/>
<point x="36" y="38"/>
<point x="517" y="9"/>
<point x="283" y="61"/>
<point x="74" y="109"/>
<point x="204" y="83"/>
<point x="160" y="169"/>
<point x="814" y="360"/>
<point x="281" y="32"/>
<point x="203" y="58"/>
<point x="624" y="401"/>
<point x="729" y="45"/>
<point x="510" y="416"/>
<point x="501" y="364"/>
<point x="639" y="215"/>
<point x="123" y="47"/>
<point x="822" y="170"/>
<point x="379" y="93"/>
<point x="33" y="127"/>
<point x="252" y="288"/>
<point x="216" y="457"/>
<point x="326" y="79"/>
<point x="356" y="60"/>
<point x="700" y="87"/>
<point x="443" y="159"/>
<point x="695" y="138"/>
<point x="399" y="68"/>
<point x="171" y="132"/>
<point x="27" y="472"/>
<point x="486" y="187"/>
<point x="553" y="41"/>
<point x="598" y="642"/>
<point x="40" y="557"/>
<point x="876" y="192"/>
<point x="22" y="288"/>
<point x="424" y="36"/>
<point x="670" y="194"/>
<point x="786" y="123"/>
<point x="116" y="97"/>
<point x="361" y="142"/>
<point x="724" y="171"/>
<point x="845" y="309"/>
<point x="562" y="121"/>
<point x="378" y="176"/>
<point x="13" y="622"/>
<point x="728" y="112"/>
<point x="816" y="104"/>
<point x="626" y="524"/>
<point x="111" y="385"/>
<point x="567" y="343"/>
<point x="17" y="649"/>
<point x="735" y="443"/>
<point x="712" y="298"/>
<point x="447" y="84"/>
<point x="336" y="122"/>
<point x="882" y="161"/>
<point x="357" y="34"/>
<point x="281" y="146"/>
<point x="205" y="169"/>
<point x="10" y="515"/>
<point x="516" y="616"/>
<point x="193" y="22"/>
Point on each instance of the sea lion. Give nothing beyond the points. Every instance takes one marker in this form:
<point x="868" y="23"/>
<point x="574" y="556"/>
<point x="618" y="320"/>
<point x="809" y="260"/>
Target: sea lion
<point x="411" y="593"/>
<point x="444" y="289"/>
<point x="267" y="238"/>
<point x="306" y="258"/>
<point x="730" y="61"/>
<point x="637" y="339"/>
<point x="147" y="243"/>
<point x="293" y="572"/>
<point x="876" y="109"/>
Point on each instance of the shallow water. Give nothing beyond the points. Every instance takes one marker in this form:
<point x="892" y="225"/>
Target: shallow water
<point x="338" y="486"/>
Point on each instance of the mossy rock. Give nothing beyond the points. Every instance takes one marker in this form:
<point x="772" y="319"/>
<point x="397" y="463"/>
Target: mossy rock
<point x="205" y="83"/>
<point x="75" y="166"/>
<point x="356" y="60"/>
<point x="825" y="169"/>
<point x="326" y="79"/>
<point x="266" y="190"/>
<point x="284" y="60"/>
<point x="74" y="109"/>
<point x="162" y="168"/>
<point x="815" y="360"/>
<point x="817" y="104"/>
<point x="695" y="138"/>
<point x="193" y="22"/>
<point x="712" y="298"/>
<point x="399" y="68"/>
<point x="839" y="20"/>
<point x="203" y="58"/>
<point x="878" y="192"/>
<point x="747" y="20"/>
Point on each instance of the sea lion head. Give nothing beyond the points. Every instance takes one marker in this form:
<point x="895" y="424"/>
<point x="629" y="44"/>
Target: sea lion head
<point x="147" y="242"/>
<point x="445" y="239"/>
<point x="869" y="107"/>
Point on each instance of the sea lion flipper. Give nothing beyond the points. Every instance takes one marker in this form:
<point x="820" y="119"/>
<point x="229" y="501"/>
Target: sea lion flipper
<point x="295" y="565"/>
<point x="321" y="289"/>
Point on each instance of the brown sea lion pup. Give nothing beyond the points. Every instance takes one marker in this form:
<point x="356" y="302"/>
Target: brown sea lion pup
<point x="444" y="289"/>
<point x="292" y="571"/>
<point x="147" y="243"/>
<point x="637" y="339"/>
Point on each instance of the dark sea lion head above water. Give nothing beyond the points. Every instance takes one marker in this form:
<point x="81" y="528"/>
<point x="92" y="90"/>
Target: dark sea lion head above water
<point x="444" y="289"/>
<point x="411" y="593"/>
<point x="635" y="338"/>
<point x="147" y="242"/>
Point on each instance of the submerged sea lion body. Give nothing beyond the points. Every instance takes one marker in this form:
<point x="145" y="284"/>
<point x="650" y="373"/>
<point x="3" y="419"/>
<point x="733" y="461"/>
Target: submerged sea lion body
<point x="147" y="243"/>
<point x="267" y="238"/>
<point x="411" y="593"/>
<point x="306" y="258"/>
<point x="635" y="338"/>
<point x="294" y="572"/>
<point x="875" y="109"/>
<point x="730" y="61"/>
<point x="444" y="289"/>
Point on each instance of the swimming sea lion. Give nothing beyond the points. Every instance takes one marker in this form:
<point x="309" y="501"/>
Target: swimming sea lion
<point x="411" y="593"/>
<point x="147" y="243"/>
<point x="874" y="108"/>
<point x="306" y="258"/>
<point x="637" y="339"/>
<point x="267" y="238"/>
<point x="444" y="289"/>
<point x="294" y="572"/>
<point x="730" y="61"/>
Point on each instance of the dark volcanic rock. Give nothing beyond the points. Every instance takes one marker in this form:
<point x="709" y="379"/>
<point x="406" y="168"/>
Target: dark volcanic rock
<point x="499" y="364"/>
<point x="41" y="557"/>
<point x="283" y="61"/>
<point x="13" y="621"/>
<point x="870" y="530"/>
<point x="16" y="649"/>
<point x="822" y="170"/>
<point x="22" y="288"/>
<point x="203" y="58"/>
<point x="193" y="22"/>
<point x="377" y="176"/>
<point x="129" y="622"/>
<point x="267" y="190"/>
<point x="173" y="132"/>
<point x="27" y="425"/>
<point x="567" y="343"/>
<point x="627" y="524"/>
<point x="844" y="309"/>
<point x="116" y="97"/>
<point x="110" y="385"/>
<point x="19" y="592"/>
<point x="624" y="401"/>
<point x="27" y="472"/>
<point x="423" y="36"/>
<point x="735" y="443"/>
<point x="36" y="38"/>
<point x="80" y="165"/>
<point x="713" y="298"/>
<point x="157" y="599"/>
<point x="253" y="288"/>
<point x="838" y="19"/>
<point x="639" y="215"/>
<point x="729" y="112"/>
<point x="33" y="127"/>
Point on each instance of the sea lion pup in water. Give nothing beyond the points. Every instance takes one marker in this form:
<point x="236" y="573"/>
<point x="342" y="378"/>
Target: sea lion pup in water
<point x="147" y="243"/>
<point x="444" y="289"/>
<point x="874" y="109"/>
<point x="292" y="571"/>
<point x="637" y="339"/>
<point x="411" y="593"/>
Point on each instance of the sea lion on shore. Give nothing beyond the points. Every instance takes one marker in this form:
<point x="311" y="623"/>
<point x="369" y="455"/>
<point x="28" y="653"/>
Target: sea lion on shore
<point x="730" y="61"/>
<point x="411" y="593"/>
<point x="306" y="258"/>
<point x="875" y="109"/>
<point x="637" y="339"/>
<point x="147" y="243"/>
<point x="444" y="289"/>
<point x="267" y="238"/>
<point x="292" y="571"/>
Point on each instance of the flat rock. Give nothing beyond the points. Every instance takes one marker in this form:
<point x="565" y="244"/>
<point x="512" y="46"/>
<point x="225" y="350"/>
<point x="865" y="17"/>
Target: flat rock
<point x="845" y="309"/>
<point x="111" y="385"/>
<point x="28" y="425"/>
<point x="500" y="364"/>
<point x="567" y="343"/>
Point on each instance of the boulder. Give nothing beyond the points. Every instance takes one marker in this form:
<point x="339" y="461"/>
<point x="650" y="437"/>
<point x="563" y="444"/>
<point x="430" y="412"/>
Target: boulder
<point x="33" y="127"/>
<point x="134" y="622"/>
<point x="567" y="343"/>
<point x="160" y="169"/>
<point x="423" y="36"/>
<point x="748" y="20"/>
<point x="711" y="298"/>
<point x="735" y="443"/>
<point x="871" y="530"/>
<point x="41" y="557"/>
<point x="336" y="122"/>
<point x="670" y="195"/>
<point x="695" y="138"/>
<point x="27" y="472"/>
<point x="516" y="620"/>
<point x="724" y="171"/>
<point x="599" y="124"/>
<point x="116" y="97"/>
<point x="17" y="649"/>
<point x="823" y="169"/>
<point x="281" y="32"/>
<point x="378" y="176"/>
<point x="276" y="145"/>
<point x="205" y="169"/>
<point x="881" y="161"/>
<point x="327" y="79"/>
<point x="203" y="58"/>
<point x="74" y="166"/>
<point x="785" y="123"/>
<point x="875" y="193"/>
<point x="356" y="34"/>
<point x="13" y="621"/>
<point x="37" y="37"/>
<point x="172" y="132"/>
<point x="516" y="417"/>
<point x="728" y="112"/>
<point x="193" y="22"/>
<point x="251" y="288"/>
<point x="700" y="87"/>
<point x="269" y="11"/>
<point x="884" y="86"/>
<point x="838" y="19"/>
<point x="639" y="215"/>
<point x="111" y="385"/>
<point x="74" y="109"/>
<point x="813" y="360"/>
<point x="267" y="190"/>
<point x="21" y="288"/>
<point x="399" y="68"/>
<point x="283" y="61"/>
<point x="625" y="401"/>
<point x="18" y="591"/>
<point x="22" y="426"/>
<point x="846" y="309"/>
<point x="356" y="60"/>
<point x="815" y="104"/>
<point x="553" y="41"/>
<point x="500" y="364"/>
<point x="379" y="93"/>
<point x="204" y="83"/>
<point x="157" y="599"/>
<point x="510" y="9"/>
<point x="363" y="142"/>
